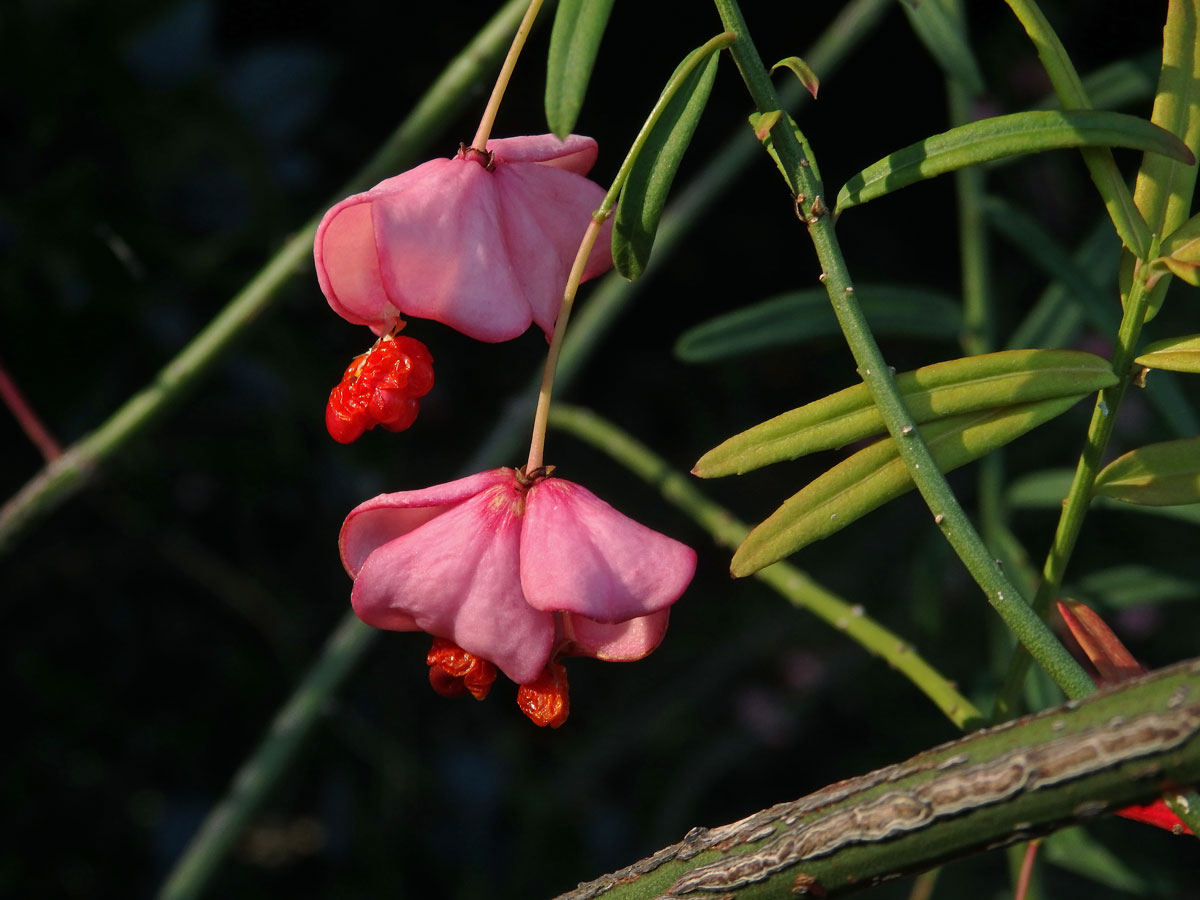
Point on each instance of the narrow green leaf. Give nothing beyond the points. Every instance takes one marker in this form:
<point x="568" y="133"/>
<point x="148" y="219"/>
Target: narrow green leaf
<point x="1166" y="474"/>
<point x="1164" y="187"/>
<point x="805" y="315"/>
<point x="930" y="393"/>
<point x="1048" y="489"/>
<point x="1118" y="199"/>
<point x="1122" y="587"/>
<point x="944" y="36"/>
<point x="803" y="71"/>
<point x="653" y="169"/>
<point x="1177" y="354"/>
<point x="1121" y="83"/>
<point x="1004" y="136"/>
<point x="574" y="42"/>
<point x="1077" y="851"/>
<point x="876" y="474"/>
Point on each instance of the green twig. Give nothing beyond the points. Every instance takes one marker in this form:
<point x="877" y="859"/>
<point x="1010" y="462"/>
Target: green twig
<point x="947" y="512"/>
<point x="789" y="581"/>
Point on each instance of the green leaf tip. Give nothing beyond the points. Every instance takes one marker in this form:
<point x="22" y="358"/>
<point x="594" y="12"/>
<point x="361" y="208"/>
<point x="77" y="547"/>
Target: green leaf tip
<point x="1166" y="474"/>
<point x="654" y="159"/>
<point x="938" y="391"/>
<point x="801" y="70"/>
<point x="1177" y="354"/>
<point x="574" y="44"/>
<point x="873" y="476"/>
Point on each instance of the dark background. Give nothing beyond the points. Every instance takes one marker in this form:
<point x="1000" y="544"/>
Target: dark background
<point x="158" y="153"/>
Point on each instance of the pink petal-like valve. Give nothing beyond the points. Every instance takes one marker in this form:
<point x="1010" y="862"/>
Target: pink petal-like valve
<point x="485" y="250"/>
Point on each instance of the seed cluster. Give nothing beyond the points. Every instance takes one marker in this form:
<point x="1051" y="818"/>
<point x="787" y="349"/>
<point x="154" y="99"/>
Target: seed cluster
<point x="380" y="387"/>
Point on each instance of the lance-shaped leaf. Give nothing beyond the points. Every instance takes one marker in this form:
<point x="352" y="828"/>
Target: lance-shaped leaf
<point x="1181" y="251"/>
<point x="944" y="36"/>
<point x="933" y="392"/>
<point x="1166" y="474"/>
<point x="574" y="42"/>
<point x="800" y="316"/>
<point x="656" y="157"/>
<point x="877" y="474"/>
<point x="1004" y="136"/>
<point x="1163" y="191"/>
<point x="1177" y="354"/>
<point x="801" y="70"/>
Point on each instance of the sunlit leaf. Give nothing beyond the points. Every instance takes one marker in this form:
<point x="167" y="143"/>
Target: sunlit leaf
<point x="805" y="315"/>
<point x="653" y="169"/>
<point x="803" y="71"/>
<point x="574" y="42"/>
<point x="1163" y="191"/>
<point x="930" y="393"/>
<point x="876" y="474"/>
<point x="1166" y="474"/>
<point x="1004" y="136"/>
<point x="944" y="37"/>
<point x="1181" y="251"/>
<point x="1177" y="354"/>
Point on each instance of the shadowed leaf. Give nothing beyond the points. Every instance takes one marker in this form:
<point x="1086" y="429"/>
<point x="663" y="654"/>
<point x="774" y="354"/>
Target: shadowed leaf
<point x="653" y="169"/>
<point x="574" y="42"/>
<point x="806" y="315"/>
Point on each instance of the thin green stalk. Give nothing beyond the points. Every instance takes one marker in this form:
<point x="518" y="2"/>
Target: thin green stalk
<point x="267" y="764"/>
<point x="1118" y="199"/>
<point x="1079" y="496"/>
<point x="71" y="471"/>
<point x="947" y="512"/>
<point x="793" y="584"/>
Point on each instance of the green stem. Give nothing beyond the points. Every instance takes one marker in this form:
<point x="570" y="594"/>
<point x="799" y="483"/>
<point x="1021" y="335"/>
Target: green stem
<point x="990" y="788"/>
<point x="1118" y="199"/>
<point x="488" y="119"/>
<point x="71" y="471"/>
<point x="948" y="513"/>
<point x="789" y="581"/>
<point x="1079" y="496"/>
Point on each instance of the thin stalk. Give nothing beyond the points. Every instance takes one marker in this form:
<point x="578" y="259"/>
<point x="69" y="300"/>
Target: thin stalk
<point x="538" y="442"/>
<point x="39" y="435"/>
<point x="948" y="513"/>
<point x="793" y="584"/>
<point x="1118" y="199"/>
<point x="479" y="142"/>
<point x="1079" y="496"/>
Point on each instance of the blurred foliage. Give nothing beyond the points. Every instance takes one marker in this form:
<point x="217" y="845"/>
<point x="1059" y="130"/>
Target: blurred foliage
<point x="161" y="151"/>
